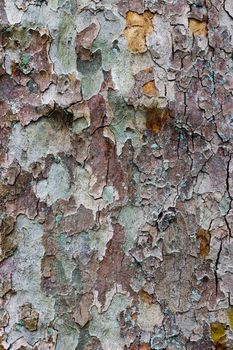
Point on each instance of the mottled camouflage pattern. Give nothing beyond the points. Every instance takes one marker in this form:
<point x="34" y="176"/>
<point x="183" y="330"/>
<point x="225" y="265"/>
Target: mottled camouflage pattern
<point x="116" y="182"/>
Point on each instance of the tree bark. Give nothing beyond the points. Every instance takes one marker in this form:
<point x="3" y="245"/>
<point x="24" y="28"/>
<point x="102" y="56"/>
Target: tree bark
<point x="116" y="174"/>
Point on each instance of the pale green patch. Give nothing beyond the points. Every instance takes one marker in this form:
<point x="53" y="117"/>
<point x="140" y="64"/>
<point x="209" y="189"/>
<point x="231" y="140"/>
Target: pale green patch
<point x="105" y="326"/>
<point x="26" y="278"/>
<point x="131" y="218"/>
<point x="68" y="335"/>
<point x="91" y="84"/>
<point x="224" y="205"/>
<point x="123" y="123"/>
<point x="56" y="186"/>
<point x="36" y="141"/>
<point x="79" y="125"/>
<point x="63" y="47"/>
<point x="108" y="194"/>
<point x="196" y="296"/>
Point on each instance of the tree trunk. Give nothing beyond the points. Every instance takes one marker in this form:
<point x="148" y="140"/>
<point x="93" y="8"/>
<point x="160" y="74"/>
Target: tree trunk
<point x="116" y="174"/>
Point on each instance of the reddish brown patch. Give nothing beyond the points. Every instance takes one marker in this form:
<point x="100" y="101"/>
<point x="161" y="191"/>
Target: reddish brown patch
<point x="102" y="153"/>
<point x="81" y="313"/>
<point x="39" y="58"/>
<point x="84" y="41"/>
<point x="130" y="5"/>
<point x="115" y="267"/>
<point x="78" y="222"/>
<point x="97" y="109"/>
<point x="21" y="198"/>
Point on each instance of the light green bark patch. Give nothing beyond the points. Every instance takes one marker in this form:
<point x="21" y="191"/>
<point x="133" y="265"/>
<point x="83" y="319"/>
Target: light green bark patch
<point x="56" y="186"/>
<point x="123" y="123"/>
<point x="37" y="140"/>
<point x="105" y="326"/>
<point x="108" y="194"/>
<point x="91" y="84"/>
<point x="63" y="48"/>
<point x="26" y="278"/>
<point x="79" y="125"/>
<point x="68" y="337"/>
<point x="43" y="139"/>
<point x="131" y="218"/>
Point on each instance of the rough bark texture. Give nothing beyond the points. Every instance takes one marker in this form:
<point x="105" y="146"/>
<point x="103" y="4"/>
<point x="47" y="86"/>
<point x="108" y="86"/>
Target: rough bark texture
<point x="116" y="174"/>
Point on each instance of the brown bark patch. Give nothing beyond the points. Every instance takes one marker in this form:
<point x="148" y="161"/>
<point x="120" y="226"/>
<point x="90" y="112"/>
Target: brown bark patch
<point x="84" y="41"/>
<point x="82" y="312"/>
<point x="115" y="268"/>
<point x="7" y="238"/>
<point x="29" y="317"/>
<point x="145" y="346"/>
<point x="146" y="297"/>
<point x="156" y="118"/>
<point x="78" y="222"/>
<point x="204" y="237"/>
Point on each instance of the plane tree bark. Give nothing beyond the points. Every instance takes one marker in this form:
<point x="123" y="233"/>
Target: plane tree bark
<point x="116" y="174"/>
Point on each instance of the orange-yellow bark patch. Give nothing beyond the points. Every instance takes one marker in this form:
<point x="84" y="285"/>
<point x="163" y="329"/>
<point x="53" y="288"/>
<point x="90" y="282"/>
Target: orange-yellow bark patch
<point x="230" y="317"/>
<point x="136" y="39"/>
<point x="198" y="28"/>
<point x="137" y="28"/>
<point x="204" y="237"/>
<point x="150" y="89"/>
<point x="218" y="335"/>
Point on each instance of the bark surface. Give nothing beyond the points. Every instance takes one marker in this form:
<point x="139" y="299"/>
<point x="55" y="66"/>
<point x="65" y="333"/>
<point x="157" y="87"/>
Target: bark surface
<point x="116" y="224"/>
